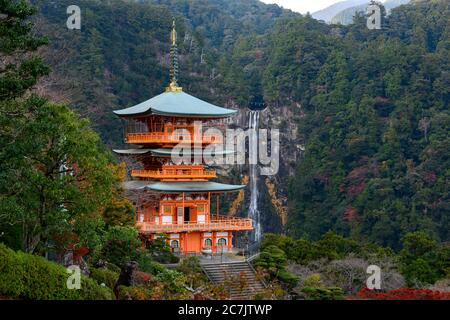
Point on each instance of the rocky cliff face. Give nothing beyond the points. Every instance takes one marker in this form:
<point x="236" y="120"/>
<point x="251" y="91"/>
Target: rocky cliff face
<point x="272" y="190"/>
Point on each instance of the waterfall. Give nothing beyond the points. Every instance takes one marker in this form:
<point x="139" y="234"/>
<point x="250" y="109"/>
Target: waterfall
<point x="254" y="213"/>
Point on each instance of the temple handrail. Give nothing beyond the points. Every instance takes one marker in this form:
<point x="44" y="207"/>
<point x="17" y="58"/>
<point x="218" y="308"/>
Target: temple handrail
<point x="231" y="223"/>
<point x="175" y="173"/>
<point x="173" y="137"/>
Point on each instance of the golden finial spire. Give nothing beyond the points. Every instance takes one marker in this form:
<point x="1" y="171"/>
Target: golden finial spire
<point x="173" y="86"/>
<point x="174" y="33"/>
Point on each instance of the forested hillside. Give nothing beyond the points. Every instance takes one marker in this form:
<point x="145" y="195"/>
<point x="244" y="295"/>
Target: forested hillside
<point x="371" y="107"/>
<point x="376" y="127"/>
<point x="121" y="55"/>
<point x="368" y="109"/>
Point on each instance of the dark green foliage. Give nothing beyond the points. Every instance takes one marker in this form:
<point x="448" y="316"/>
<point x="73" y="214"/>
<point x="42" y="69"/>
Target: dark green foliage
<point x="274" y="261"/>
<point x="103" y="275"/>
<point x="17" y="39"/>
<point x="423" y="260"/>
<point x="192" y="269"/>
<point x="375" y="123"/>
<point x="122" y="215"/>
<point x="52" y="174"/>
<point x="121" y="245"/>
<point x="148" y="264"/>
<point x="314" y="289"/>
<point x="160" y="250"/>
<point x="324" y="293"/>
<point x="331" y="246"/>
<point x="28" y="276"/>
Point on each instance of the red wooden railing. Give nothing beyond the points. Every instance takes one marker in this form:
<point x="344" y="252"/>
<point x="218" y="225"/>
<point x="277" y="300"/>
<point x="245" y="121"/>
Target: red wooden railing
<point x="161" y="137"/>
<point x="175" y="174"/>
<point x="221" y="224"/>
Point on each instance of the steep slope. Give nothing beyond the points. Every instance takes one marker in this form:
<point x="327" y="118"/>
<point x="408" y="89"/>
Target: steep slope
<point x="328" y="13"/>
<point x="345" y="17"/>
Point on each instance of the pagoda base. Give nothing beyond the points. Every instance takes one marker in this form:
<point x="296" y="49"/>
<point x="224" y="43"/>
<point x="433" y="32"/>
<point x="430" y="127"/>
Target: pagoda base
<point x="196" y="243"/>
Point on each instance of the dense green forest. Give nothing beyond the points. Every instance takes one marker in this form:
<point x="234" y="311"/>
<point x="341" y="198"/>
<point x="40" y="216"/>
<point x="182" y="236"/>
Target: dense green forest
<point x="373" y="109"/>
<point x="370" y="106"/>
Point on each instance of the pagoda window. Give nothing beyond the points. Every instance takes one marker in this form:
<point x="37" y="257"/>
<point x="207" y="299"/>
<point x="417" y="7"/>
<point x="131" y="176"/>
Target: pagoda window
<point x="175" y="245"/>
<point x="167" y="219"/>
<point x="201" y="218"/>
<point x="222" y="242"/>
<point x="201" y="208"/>
<point x="180" y="215"/>
<point x="134" y="126"/>
<point x="208" y="243"/>
<point x="167" y="209"/>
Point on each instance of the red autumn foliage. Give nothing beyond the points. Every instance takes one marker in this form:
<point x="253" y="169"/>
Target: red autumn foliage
<point x="402" y="294"/>
<point x="355" y="190"/>
<point x="350" y="214"/>
<point x="381" y="100"/>
<point x="354" y="182"/>
<point x="141" y="277"/>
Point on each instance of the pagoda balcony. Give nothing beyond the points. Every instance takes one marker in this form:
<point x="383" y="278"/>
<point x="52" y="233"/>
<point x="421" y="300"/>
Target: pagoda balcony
<point x="176" y="173"/>
<point x="172" y="138"/>
<point x="221" y="224"/>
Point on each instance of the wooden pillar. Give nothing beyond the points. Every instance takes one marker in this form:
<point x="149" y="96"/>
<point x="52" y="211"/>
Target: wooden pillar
<point x="183" y="209"/>
<point x="213" y="246"/>
<point x="217" y="206"/>
<point x="181" y="242"/>
<point x="209" y="207"/>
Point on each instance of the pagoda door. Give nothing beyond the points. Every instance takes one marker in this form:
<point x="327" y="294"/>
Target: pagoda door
<point x="179" y="215"/>
<point x="187" y="214"/>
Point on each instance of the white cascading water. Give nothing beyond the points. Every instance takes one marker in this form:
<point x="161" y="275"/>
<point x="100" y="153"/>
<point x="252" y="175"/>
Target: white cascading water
<point x="254" y="213"/>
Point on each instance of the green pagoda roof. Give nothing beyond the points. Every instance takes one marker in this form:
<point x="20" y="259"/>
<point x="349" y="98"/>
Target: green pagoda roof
<point x="176" y="104"/>
<point x="177" y="187"/>
<point x="167" y="152"/>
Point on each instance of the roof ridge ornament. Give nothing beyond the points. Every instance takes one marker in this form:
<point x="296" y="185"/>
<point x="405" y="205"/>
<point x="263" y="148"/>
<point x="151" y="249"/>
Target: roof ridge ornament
<point x="173" y="85"/>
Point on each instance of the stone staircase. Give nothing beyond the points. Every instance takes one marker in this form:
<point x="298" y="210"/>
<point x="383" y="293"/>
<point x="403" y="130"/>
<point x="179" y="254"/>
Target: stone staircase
<point x="235" y="272"/>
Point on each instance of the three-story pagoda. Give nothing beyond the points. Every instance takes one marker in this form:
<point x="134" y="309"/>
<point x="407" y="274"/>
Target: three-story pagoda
<point x="175" y="199"/>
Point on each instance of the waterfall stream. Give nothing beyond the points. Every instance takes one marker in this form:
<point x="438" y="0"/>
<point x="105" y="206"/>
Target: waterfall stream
<point x="254" y="213"/>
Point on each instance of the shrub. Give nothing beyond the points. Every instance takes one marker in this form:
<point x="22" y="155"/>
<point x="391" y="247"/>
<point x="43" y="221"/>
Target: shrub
<point x="161" y="251"/>
<point x="313" y="281"/>
<point x="147" y="264"/>
<point x="108" y="277"/>
<point x="423" y="260"/>
<point x="314" y="289"/>
<point x="121" y="245"/>
<point x="192" y="269"/>
<point x="273" y="260"/>
<point x="323" y="293"/>
<point x="287" y="278"/>
<point x="28" y="276"/>
<point x="134" y="293"/>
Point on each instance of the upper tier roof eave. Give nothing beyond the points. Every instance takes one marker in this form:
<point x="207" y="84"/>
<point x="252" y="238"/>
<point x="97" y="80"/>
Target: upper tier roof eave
<point x="176" y="104"/>
<point x="167" y="152"/>
<point x="178" y="187"/>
